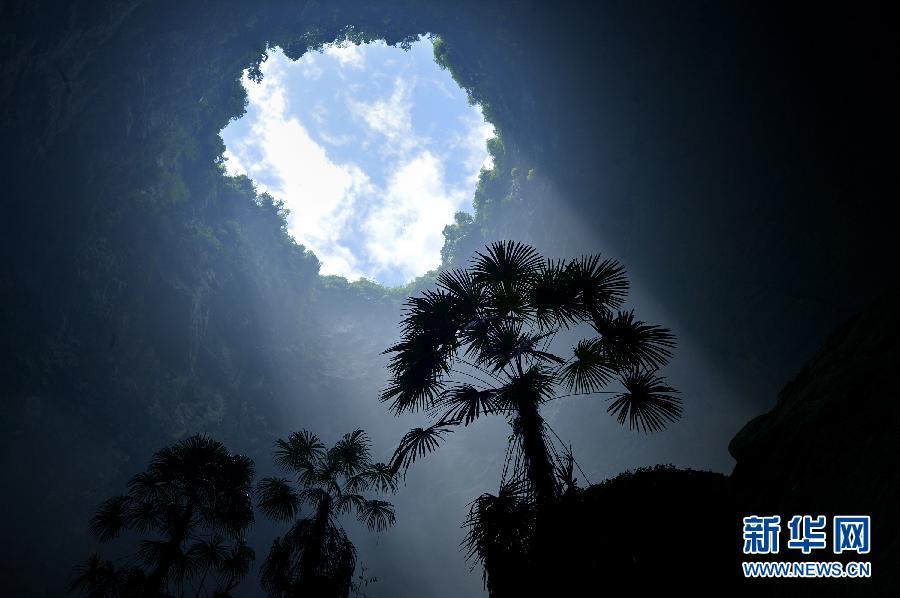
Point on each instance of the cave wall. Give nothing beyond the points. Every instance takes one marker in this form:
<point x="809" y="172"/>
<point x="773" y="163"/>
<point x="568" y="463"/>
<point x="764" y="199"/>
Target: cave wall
<point x="735" y="157"/>
<point x="831" y="444"/>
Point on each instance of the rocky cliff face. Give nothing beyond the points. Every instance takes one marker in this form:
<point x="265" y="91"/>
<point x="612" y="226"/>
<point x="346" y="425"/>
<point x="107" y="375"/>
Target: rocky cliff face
<point x="831" y="445"/>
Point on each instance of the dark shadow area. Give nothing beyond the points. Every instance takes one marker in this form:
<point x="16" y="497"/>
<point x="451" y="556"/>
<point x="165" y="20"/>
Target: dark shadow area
<point x="828" y="448"/>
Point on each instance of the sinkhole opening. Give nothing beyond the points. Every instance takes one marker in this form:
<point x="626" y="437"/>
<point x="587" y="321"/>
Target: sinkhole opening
<point x="372" y="148"/>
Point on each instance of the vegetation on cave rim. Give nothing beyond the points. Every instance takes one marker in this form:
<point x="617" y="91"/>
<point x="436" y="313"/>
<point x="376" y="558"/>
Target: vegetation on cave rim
<point x="315" y="556"/>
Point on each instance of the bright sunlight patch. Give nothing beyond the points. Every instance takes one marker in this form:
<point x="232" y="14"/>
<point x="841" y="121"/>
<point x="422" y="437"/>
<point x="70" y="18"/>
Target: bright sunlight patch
<point x="372" y="148"/>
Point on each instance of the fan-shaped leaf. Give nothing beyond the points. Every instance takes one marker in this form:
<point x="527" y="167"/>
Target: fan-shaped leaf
<point x="378" y="515"/>
<point x="590" y="370"/>
<point x="506" y="263"/>
<point x="501" y="524"/>
<point x="111" y="518"/>
<point x="417" y="368"/>
<point x="468" y="294"/>
<point x="416" y="443"/>
<point x="236" y="565"/>
<point x="300" y="452"/>
<point x="601" y="284"/>
<point x="351" y="453"/>
<point x="465" y="403"/>
<point x="143" y="516"/>
<point x="648" y="403"/>
<point x="629" y="342"/>
<point x="554" y="297"/>
<point x="382" y="478"/>
<point x="210" y="552"/>
<point x="346" y="503"/>
<point x="314" y="497"/>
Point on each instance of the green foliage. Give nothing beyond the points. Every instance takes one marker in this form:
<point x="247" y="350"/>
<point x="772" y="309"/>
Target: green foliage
<point x="192" y="506"/>
<point x="315" y="556"/>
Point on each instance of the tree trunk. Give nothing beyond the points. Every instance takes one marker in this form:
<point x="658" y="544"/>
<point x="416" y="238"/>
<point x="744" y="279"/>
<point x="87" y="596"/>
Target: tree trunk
<point x="313" y="553"/>
<point x="157" y="579"/>
<point x="538" y="466"/>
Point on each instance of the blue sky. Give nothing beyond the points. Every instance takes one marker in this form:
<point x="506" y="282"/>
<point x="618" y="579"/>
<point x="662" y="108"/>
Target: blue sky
<point x="372" y="148"/>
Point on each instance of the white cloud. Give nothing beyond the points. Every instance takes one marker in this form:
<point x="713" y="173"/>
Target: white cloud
<point x="391" y="117"/>
<point x="390" y="230"/>
<point x="320" y="193"/>
<point x="405" y="230"/>
<point x="233" y="164"/>
<point x="310" y="67"/>
<point x="475" y="143"/>
<point x="336" y="140"/>
<point x="319" y="113"/>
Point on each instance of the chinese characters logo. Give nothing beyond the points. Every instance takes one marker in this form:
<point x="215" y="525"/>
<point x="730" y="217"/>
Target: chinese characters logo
<point x="850" y="533"/>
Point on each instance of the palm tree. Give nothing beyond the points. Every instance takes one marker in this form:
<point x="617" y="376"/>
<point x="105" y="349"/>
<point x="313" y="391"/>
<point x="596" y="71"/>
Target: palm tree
<point x="194" y="503"/>
<point x="315" y="557"/>
<point x="480" y="344"/>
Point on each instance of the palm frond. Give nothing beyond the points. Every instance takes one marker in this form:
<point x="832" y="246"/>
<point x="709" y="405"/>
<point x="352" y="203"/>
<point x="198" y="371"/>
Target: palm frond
<point x="230" y="513"/>
<point x="210" y="552"/>
<point x="500" y="526"/>
<point x="314" y="497"/>
<point x="151" y="552"/>
<point x="236" y="472"/>
<point x="509" y="300"/>
<point x="590" y="370"/>
<point x="300" y="452"/>
<point x="188" y="461"/>
<point x="236" y="565"/>
<point x="417" y="443"/>
<point x="349" y="502"/>
<point x="357" y="482"/>
<point x="378" y="515"/>
<point x="507" y="343"/>
<point x="435" y="314"/>
<point x="553" y="297"/>
<point x="143" y="516"/>
<point x="417" y="368"/>
<point x="277" y="574"/>
<point x="351" y="452"/>
<point x="629" y="342"/>
<point x="111" y="518"/>
<point x="146" y="486"/>
<point x="277" y="499"/>
<point x="601" y="284"/>
<point x="182" y="567"/>
<point x="468" y="294"/>
<point x="97" y="578"/>
<point x="648" y="403"/>
<point x="465" y="403"/>
<point x="382" y="478"/>
<point x="477" y="334"/>
<point x="502" y="345"/>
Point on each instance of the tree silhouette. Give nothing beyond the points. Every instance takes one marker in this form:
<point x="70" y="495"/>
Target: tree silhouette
<point x="315" y="557"/>
<point x="194" y="504"/>
<point x="480" y="344"/>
